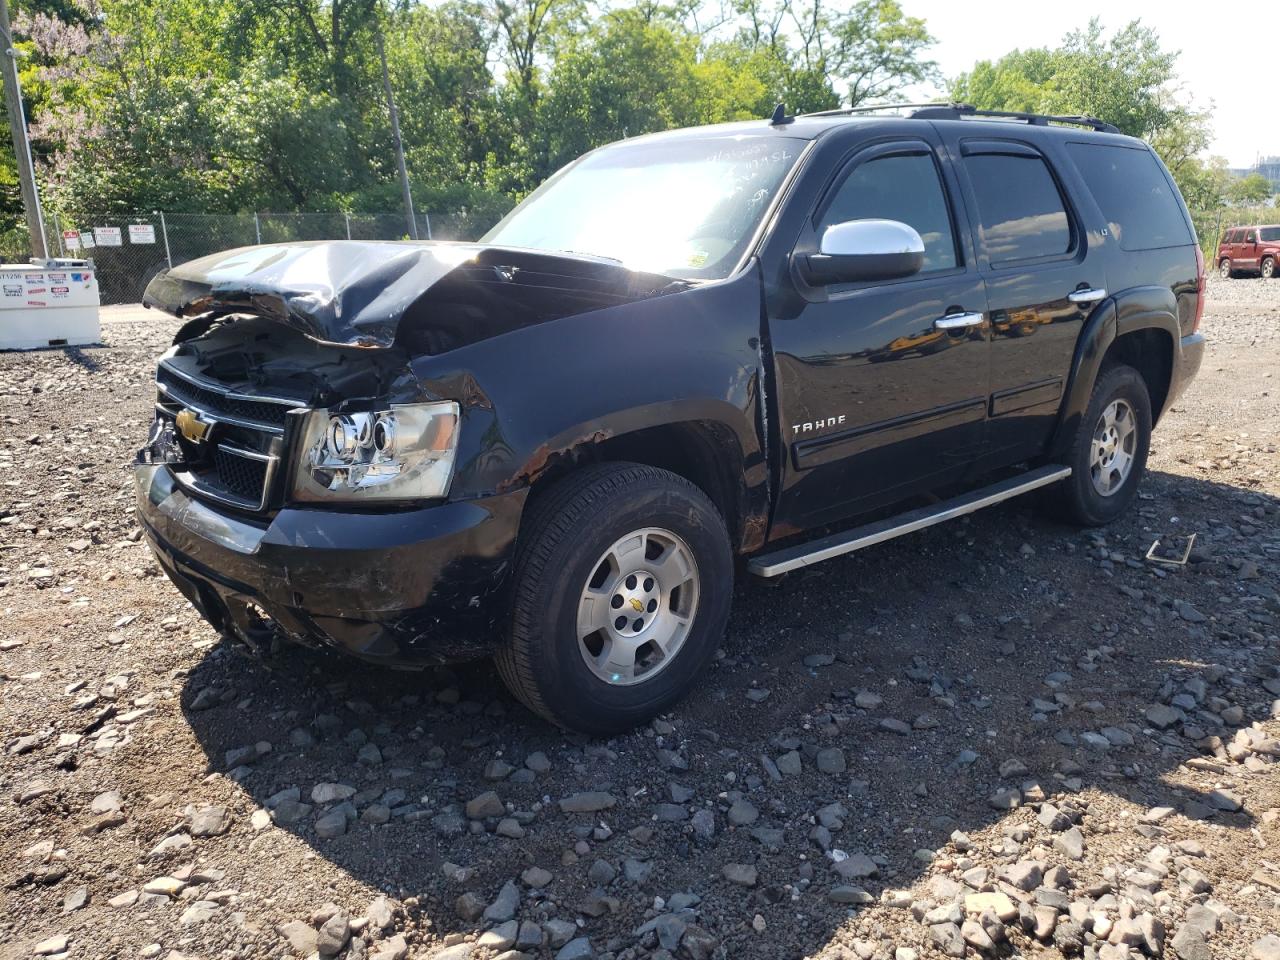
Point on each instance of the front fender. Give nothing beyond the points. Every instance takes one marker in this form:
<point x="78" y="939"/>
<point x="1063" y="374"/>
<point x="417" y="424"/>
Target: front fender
<point x="540" y="393"/>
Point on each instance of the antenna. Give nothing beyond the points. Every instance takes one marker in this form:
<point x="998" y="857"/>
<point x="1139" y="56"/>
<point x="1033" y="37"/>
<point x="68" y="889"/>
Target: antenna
<point x="780" y="117"/>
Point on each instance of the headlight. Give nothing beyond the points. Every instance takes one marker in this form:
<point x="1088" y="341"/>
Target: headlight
<point x="403" y="453"/>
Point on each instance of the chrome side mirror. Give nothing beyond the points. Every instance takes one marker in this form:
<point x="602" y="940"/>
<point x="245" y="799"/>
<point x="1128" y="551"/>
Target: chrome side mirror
<point x="861" y="250"/>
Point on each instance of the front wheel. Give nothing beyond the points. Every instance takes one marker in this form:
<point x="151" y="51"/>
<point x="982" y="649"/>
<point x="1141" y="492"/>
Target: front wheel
<point x="1268" y="267"/>
<point x="624" y="577"/>
<point x="1109" y="452"/>
<point x="1224" y="269"/>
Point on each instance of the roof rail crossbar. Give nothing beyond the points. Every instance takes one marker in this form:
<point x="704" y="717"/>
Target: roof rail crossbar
<point x="944" y="110"/>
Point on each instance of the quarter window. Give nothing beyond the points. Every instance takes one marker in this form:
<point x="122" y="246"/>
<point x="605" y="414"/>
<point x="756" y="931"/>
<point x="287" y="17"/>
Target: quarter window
<point x="1019" y="206"/>
<point x="1133" y="193"/>
<point x="902" y="187"/>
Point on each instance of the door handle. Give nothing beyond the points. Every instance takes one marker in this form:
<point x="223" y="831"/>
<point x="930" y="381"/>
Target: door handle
<point x="957" y="321"/>
<point x="1089" y="295"/>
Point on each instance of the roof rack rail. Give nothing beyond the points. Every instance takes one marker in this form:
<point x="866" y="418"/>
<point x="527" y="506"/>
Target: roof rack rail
<point x="956" y="111"/>
<point x="943" y="110"/>
<point x="876" y="108"/>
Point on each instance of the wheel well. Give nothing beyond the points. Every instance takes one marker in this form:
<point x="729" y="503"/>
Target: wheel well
<point x="707" y="454"/>
<point x="1150" y="352"/>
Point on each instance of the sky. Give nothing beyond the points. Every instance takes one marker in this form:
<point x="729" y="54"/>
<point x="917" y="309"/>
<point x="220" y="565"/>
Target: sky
<point x="1245" y="120"/>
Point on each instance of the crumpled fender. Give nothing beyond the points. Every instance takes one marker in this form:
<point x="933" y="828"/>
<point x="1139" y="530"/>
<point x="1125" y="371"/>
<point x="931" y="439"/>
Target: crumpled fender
<point x="357" y="293"/>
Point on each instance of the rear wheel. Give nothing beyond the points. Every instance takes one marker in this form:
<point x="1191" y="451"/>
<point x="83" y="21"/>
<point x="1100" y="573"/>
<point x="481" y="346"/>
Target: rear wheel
<point x="1268" y="267"/>
<point x="623" y="582"/>
<point x="1109" y="452"/>
<point x="1224" y="269"/>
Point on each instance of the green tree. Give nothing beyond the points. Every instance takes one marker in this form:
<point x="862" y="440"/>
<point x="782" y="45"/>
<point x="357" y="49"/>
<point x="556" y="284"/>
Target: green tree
<point x="865" y="52"/>
<point x="1249" y="190"/>
<point x="872" y="50"/>
<point x="236" y="105"/>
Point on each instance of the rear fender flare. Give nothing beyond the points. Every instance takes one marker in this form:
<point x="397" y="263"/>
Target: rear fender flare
<point x="1140" y="309"/>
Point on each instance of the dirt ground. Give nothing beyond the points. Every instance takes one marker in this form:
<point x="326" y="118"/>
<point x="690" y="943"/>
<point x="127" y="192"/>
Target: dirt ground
<point x="1001" y="735"/>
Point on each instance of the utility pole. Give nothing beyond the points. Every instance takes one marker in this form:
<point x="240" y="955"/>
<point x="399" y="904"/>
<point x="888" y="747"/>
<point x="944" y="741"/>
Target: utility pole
<point x="21" y="145"/>
<point x="410" y="219"/>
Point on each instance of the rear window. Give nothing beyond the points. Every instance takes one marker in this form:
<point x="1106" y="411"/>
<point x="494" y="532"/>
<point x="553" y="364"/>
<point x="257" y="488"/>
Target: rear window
<point x="1022" y="213"/>
<point x="1269" y="234"/>
<point x="1134" y="195"/>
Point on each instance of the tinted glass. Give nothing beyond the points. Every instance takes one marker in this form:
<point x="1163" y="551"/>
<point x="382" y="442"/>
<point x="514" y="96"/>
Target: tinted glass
<point x="1134" y="195"/>
<point x="902" y="188"/>
<point x="683" y="207"/>
<point x="1021" y="211"/>
<point x="1248" y="237"/>
<point x="1269" y="234"/>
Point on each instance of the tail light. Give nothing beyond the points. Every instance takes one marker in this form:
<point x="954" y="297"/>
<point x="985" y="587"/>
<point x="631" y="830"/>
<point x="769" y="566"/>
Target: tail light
<point x="1199" y="289"/>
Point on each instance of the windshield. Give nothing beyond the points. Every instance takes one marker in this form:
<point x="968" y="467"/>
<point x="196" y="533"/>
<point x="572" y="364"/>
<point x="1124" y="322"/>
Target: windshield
<point x="685" y="208"/>
<point x="1268" y="234"/>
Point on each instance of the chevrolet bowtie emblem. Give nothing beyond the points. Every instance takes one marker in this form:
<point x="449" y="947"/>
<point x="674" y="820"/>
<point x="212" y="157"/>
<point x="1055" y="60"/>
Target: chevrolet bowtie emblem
<point x="191" y="426"/>
<point x="637" y="605"/>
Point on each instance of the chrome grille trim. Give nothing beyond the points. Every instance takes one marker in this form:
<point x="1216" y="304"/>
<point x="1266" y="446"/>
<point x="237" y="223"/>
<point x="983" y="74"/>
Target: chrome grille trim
<point x="221" y="388"/>
<point x="217" y="416"/>
<point x="199" y="485"/>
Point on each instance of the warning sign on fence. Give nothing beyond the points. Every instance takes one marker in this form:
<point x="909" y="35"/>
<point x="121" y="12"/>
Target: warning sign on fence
<point x="71" y="239"/>
<point x="107" y="236"/>
<point x="142" y="233"/>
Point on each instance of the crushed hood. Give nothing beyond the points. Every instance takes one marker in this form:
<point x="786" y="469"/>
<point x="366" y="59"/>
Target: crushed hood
<point x="360" y="294"/>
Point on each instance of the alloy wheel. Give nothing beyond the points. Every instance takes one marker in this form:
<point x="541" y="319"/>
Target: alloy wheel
<point x="1115" y="440"/>
<point x="637" y="607"/>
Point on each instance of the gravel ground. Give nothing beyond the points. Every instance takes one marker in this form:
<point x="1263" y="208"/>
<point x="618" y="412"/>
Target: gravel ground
<point x="1001" y="735"/>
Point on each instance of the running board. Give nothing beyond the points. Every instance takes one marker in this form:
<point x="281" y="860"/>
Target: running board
<point x="838" y="544"/>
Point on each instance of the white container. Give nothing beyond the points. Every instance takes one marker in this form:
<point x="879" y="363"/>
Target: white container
<point x="48" y="303"/>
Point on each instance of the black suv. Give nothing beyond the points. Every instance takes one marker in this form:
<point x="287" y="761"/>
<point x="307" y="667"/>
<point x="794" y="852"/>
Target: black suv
<point x="736" y="341"/>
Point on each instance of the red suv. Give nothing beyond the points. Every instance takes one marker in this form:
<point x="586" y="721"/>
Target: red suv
<point x="1251" y="250"/>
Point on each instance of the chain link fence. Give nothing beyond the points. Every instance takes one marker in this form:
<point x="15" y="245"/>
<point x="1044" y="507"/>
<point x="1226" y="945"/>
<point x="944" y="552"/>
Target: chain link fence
<point x="129" y="251"/>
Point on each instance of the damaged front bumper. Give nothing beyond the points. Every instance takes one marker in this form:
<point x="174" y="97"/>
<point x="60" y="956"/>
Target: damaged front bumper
<point x="404" y="587"/>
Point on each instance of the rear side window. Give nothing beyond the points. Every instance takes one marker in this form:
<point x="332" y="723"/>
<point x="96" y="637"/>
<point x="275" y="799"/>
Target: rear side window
<point x="1021" y="211"/>
<point x="1134" y="195"/>
<point x="902" y="187"/>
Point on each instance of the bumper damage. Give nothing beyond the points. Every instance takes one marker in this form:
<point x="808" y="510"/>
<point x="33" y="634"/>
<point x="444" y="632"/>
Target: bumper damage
<point x="403" y="588"/>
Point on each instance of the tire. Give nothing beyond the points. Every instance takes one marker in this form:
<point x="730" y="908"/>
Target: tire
<point x="1224" y="269"/>
<point x="628" y="533"/>
<point x="1094" y="457"/>
<point x="1268" y="267"/>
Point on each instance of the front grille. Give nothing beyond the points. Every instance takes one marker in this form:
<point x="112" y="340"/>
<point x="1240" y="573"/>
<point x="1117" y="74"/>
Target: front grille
<point x="191" y="394"/>
<point x="239" y="475"/>
<point x="236" y="461"/>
